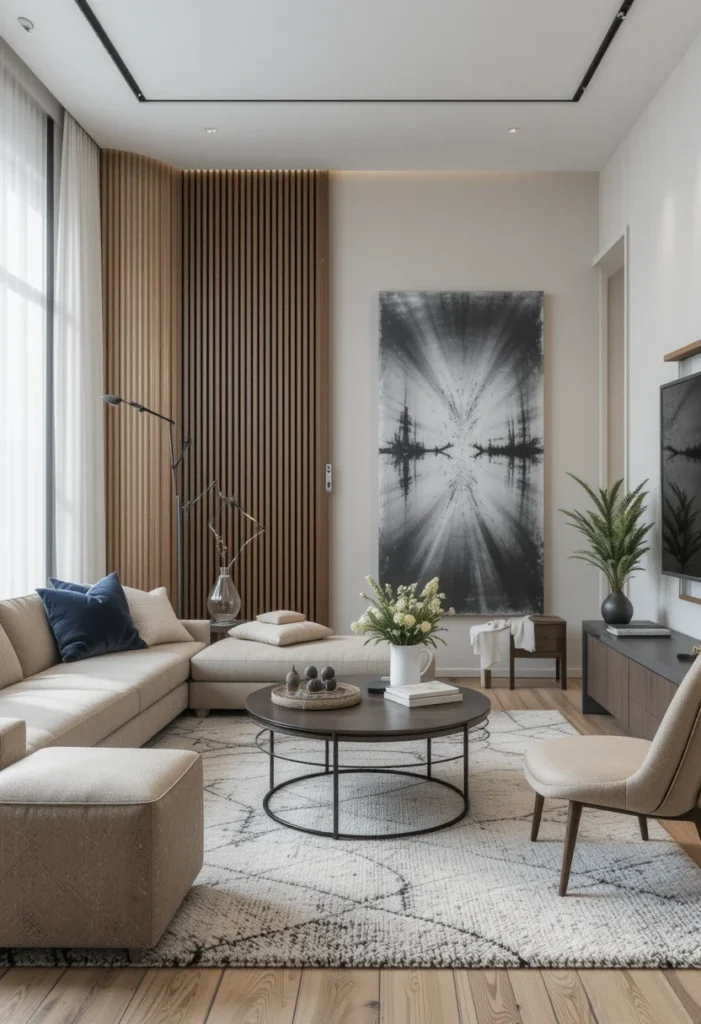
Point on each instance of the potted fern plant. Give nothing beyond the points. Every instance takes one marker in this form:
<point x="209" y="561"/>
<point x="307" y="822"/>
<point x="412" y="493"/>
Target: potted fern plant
<point x="617" y="540"/>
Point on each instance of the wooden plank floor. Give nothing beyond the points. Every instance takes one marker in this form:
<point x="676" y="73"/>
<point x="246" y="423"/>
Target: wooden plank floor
<point x="238" y="996"/>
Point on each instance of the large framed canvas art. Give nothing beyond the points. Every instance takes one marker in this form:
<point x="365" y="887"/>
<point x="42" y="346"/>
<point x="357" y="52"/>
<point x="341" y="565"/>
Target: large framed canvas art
<point x="461" y="446"/>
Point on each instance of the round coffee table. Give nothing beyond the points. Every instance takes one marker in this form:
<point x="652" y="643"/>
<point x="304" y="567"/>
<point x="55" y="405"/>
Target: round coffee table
<point x="373" y="720"/>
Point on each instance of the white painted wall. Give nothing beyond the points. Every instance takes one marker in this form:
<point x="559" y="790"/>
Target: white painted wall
<point x="464" y="231"/>
<point x="653" y="184"/>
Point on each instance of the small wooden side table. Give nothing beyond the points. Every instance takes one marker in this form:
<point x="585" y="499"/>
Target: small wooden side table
<point x="220" y="630"/>
<point x="550" y="642"/>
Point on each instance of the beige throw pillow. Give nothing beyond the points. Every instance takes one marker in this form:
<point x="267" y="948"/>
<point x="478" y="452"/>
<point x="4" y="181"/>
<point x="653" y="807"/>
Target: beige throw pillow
<point x="280" y="636"/>
<point x="10" y="668"/>
<point x="280" y="618"/>
<point x="28" y="630"/>
<point x="154" y="617"/>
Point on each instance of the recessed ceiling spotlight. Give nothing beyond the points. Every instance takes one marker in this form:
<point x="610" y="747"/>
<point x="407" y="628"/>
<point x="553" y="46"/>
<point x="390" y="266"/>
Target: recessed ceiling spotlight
<point x="211" y="131"/>
<point x="26" y="24"/>
<point x="513" y="131"/>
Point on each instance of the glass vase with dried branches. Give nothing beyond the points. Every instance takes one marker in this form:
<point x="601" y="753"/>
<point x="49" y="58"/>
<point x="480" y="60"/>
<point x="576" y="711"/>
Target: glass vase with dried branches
<point x="224" y="601"/>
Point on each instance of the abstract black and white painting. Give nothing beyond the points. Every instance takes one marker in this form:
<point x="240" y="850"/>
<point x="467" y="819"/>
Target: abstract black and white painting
<point x="461" y="446"/>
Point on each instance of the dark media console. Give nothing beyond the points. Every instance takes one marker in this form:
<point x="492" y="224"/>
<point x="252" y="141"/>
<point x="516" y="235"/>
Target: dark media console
<point x="632" y="678"/>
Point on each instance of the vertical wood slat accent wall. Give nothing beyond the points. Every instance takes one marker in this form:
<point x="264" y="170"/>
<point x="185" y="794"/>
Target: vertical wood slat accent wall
<point x="255" y="380"/>
<point x="141" y="248"/>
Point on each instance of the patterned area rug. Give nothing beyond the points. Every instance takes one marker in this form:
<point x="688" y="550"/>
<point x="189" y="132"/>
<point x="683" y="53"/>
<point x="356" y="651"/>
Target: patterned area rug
<point x="476" y="895"/>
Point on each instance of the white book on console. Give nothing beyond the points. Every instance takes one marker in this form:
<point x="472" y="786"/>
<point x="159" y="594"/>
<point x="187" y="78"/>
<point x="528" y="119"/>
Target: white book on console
<point x="418" y="702"/>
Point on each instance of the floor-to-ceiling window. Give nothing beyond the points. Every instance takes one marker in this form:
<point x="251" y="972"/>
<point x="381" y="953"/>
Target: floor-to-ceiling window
<point x="25" y="316"/>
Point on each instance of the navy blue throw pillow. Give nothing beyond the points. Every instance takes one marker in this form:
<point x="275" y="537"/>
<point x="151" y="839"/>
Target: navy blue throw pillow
<point x="90" y="620"/>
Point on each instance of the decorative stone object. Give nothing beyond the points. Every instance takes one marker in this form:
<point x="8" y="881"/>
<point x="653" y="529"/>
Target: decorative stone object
<point x="311" y="672"/>
<point x="314" y="685"/>
<point x="330" y="684"/>
<point x="328" y="673"/>
<point x="292" y="681"/>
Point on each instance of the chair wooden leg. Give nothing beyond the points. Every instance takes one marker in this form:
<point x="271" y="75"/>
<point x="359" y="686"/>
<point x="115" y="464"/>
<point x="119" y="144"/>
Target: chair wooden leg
<point x="573" y="815"/>
<point x="642" y="821"/>
<point x="537" y="813"/>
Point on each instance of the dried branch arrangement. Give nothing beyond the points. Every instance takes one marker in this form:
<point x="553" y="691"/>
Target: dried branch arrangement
<point x="225" y="502"/>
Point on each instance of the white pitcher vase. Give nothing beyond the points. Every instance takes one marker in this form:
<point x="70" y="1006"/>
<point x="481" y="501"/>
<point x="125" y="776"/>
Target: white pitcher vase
<point x="405" y="664"/>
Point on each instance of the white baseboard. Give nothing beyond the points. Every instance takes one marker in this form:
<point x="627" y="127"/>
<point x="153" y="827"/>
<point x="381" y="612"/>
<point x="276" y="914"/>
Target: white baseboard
<point x="574" y="671"/>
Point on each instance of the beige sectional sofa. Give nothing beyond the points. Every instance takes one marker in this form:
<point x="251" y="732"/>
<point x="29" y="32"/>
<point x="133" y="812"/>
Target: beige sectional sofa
<point x="122" y="700"/>
<point x="114" y="700"/>
<point x="99" y="847"/>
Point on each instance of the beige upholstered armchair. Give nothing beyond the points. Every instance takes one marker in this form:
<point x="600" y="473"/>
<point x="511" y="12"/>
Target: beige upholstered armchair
<point x="658" y="779"/>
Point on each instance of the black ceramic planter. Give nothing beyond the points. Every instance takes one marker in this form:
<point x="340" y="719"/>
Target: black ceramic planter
<point x="617" y="609"/>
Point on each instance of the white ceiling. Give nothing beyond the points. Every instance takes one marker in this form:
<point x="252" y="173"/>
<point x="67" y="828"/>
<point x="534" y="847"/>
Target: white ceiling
<point x="363" y="49"/>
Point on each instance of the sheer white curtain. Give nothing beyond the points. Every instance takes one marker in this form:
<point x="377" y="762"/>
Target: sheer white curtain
<point x="78" y="375"/>
<point x="23" y="338"/>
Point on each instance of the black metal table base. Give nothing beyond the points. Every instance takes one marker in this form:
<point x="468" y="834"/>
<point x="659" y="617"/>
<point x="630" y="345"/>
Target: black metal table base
<point x="478" y="734"/>
<point x="333" y="768"/>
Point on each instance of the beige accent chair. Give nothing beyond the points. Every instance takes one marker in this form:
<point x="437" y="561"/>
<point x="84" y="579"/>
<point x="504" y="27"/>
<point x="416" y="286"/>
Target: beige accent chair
<point x="658" y="779"/>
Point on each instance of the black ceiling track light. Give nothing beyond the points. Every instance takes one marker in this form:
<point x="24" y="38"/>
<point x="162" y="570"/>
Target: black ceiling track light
<point x="126" y="74"/>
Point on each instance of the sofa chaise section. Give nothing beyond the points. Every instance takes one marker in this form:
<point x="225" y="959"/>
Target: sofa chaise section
<point x="226" y="672"/>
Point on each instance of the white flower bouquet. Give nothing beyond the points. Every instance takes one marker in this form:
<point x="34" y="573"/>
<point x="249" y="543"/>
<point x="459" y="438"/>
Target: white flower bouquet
<point x="405" y="618"/>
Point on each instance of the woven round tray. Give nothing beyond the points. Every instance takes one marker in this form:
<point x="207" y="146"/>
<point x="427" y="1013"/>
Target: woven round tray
<point x="344" y="696"/>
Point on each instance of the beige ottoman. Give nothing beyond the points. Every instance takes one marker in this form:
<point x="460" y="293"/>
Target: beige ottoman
<point x="98" y="847"/>
<point x="226" y="672"/>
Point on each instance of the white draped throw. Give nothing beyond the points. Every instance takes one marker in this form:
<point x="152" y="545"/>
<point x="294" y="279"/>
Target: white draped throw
<point x="78" y="364"/>
<point x="491" y="639"/>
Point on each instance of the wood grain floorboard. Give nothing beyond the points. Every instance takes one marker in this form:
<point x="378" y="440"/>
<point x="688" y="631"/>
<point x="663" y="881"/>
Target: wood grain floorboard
<point x="85" y="995"/>
<point x="687" y="985"/>
<point x="338" y="997"/>
<point x="415" y="997"/>
<point x="568" y="997"/>
<point x="486" y="997"/>
<point x="250" y="996"/>
<point x="633" y="997"/>
<point x="532" y="997"/>
<point x="171" y="996"/>
<point x="23" y="990"/>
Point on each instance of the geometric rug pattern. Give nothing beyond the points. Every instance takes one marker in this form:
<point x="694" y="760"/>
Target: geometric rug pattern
<point x="479" y="894"/>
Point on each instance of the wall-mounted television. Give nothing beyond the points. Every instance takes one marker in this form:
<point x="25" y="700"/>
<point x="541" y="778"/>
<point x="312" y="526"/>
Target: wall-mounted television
<point x="681" y="477"/>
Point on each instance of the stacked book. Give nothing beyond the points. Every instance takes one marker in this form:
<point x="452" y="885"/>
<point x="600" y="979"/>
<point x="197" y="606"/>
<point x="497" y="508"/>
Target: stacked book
<point x="418" y="695"/>
<point x="639" y="629"/>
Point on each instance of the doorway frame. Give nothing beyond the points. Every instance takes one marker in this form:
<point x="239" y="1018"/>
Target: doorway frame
<point x="608" y="262"/>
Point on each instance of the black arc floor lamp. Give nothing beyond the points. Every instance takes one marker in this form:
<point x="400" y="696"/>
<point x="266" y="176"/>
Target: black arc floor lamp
<point x="175" y="463"/>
